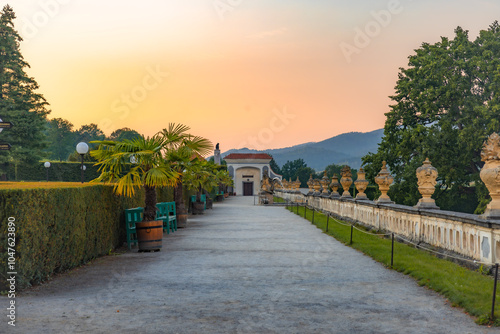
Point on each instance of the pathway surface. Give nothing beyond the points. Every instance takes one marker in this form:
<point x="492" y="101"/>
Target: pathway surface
<point x="238" y="269"/>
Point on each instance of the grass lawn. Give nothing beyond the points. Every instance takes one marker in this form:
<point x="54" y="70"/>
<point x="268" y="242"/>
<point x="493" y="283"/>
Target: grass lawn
<point x="470" y="290"/>
<point x="37" y="185"/>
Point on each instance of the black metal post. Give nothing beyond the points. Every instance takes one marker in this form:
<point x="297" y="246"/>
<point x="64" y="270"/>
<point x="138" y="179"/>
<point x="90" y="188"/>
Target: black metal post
<point x="494" y="292"/>
<point x="392" y="251"/>
<point x="327" y="219"/>
<point x="352" y="228"/>
<point x="297" y="208"/>
<point x="47" y="174"/>
<point x="313" y="216"/>
<point x="81" y="167"/>
<point x="305" y="211"/>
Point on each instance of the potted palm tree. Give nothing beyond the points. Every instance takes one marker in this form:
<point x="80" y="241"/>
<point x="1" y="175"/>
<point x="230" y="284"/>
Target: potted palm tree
<point x="223" y="180"/>
<point x="148" y="170"/>
<point x="182" y="151"/>
<point x="198" y="177"/>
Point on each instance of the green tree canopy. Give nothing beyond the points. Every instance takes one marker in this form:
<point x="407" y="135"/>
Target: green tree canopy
<point x="274" y="166"/>
<point x="61" y="139"/>
<point x="19" y="104"/>
<point x="124" y="133"/>
<point x="89" y="132"/>
<point x="290" y="168"/>
<point x="445" y="105"/>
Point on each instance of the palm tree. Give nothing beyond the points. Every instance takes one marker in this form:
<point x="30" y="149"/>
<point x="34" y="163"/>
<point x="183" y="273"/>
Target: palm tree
<point x="181" y="149"/>
<point x="149" y="168"/>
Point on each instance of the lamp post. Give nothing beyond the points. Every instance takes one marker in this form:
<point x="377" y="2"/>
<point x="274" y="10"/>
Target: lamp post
<point x="47" y="165"/>
<point x="82" y="149"/>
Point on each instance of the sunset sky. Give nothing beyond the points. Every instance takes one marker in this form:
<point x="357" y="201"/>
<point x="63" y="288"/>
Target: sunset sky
<point x="245" y="73"/>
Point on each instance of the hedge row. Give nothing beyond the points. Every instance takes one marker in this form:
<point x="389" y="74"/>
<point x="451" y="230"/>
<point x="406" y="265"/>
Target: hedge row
<point x="58" y="229"/>
<point x="58" y="171"/>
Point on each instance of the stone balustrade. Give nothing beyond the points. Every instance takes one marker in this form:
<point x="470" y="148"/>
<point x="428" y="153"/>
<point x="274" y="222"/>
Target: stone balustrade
<point x="466" y="234"/>
<point x="472" y="236"/>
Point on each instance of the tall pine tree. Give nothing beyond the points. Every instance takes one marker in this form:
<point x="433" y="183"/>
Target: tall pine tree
<point x="19" y="104"/>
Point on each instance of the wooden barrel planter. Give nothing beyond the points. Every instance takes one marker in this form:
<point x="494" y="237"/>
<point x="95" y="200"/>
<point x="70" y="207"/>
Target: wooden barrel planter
<point x="198" y="208"/>
<point x="149" y="235"/>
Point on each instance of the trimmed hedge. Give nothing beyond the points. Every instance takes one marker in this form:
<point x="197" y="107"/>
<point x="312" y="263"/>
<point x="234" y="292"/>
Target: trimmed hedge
<point x="62" y="228"/>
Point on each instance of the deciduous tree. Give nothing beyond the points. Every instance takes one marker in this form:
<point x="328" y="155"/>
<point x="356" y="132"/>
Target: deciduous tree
<point x="447" y="101"/>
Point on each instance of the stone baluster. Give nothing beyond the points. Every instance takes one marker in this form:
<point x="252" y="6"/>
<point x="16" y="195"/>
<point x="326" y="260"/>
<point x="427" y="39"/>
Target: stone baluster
<point x="427" y="176"/>
<point x="490" y="174"/>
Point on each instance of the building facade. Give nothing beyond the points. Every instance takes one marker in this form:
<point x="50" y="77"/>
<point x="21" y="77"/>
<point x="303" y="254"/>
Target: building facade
<point x="247" y="170"/>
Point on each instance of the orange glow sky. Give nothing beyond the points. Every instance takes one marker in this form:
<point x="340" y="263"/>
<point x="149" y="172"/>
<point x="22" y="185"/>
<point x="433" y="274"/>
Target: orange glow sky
<point x="254" y="73"/>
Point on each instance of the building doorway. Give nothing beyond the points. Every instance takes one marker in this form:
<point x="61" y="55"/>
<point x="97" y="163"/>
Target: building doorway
<point x="247" y="188"/>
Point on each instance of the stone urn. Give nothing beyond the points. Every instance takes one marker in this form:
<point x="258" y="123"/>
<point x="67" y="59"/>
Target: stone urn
<point x="335" y="185"/>
<point x="310" y="184"/>
<point x="285" y="185"/>
<point x="427" y="176"/>
<point x="384" y="180"/>
<point x="317" y="187"/>
<point x="346" y="181"/>
<point x="324" y="184"/>
<point x="361" y="184"/>
<point x="296" y="184"/>
<point x="490" y="174"/>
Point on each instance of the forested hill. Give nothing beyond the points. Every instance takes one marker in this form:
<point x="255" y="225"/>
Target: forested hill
<point x="347" y="148"/>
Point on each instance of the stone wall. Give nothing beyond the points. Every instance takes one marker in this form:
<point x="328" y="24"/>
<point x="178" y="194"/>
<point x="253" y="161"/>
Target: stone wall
<point x="469" y="235"/>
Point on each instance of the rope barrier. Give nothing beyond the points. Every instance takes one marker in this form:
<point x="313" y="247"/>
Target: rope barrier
<point x="439" y="253"/>
<point x="405" y="240"/>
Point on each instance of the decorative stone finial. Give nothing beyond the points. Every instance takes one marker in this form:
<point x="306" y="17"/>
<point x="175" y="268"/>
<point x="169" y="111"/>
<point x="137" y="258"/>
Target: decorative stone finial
<point x="310" y="184"/>
<point x="427" y="176"/>
<point x="324" y="184"/>
<point x="490" y="174"/>
<point x="361" y="183"/>
<point x="317" y="187"/>
<point x="346" y="181"/>
<point x="285" y="185"/>
<point x="296" y="184"/>
<point x="384" y="180"/>
<point x="335" y="185"/>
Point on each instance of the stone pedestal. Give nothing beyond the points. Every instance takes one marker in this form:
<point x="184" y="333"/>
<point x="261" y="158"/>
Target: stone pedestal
<point x="490" y="174"/>
<point x="427" y="176"/>
<point x="266" y="198"/>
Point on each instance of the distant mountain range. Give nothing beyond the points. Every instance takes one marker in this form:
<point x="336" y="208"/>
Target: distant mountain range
<point x="347" y="148"/>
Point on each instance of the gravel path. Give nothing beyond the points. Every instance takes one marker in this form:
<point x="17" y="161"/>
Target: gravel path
<point x="238" y="269"/>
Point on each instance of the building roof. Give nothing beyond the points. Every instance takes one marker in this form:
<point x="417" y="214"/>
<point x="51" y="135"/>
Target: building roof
<point x="252" y="156"/>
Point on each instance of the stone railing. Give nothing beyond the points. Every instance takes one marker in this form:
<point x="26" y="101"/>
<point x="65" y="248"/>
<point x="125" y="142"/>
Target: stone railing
<point x="473" y="236"/>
